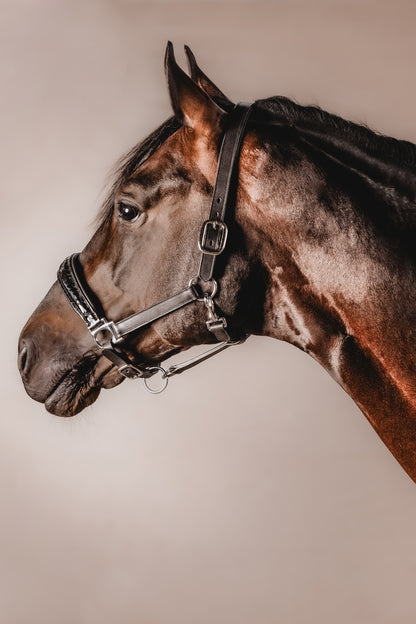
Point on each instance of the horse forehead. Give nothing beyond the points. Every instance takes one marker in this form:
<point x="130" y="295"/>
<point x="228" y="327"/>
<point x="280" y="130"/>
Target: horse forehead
<point x="183" y="154"/>
<point x="170" y="174"/>
<point x="167" y="164"/>
<point x="156" y="169"/>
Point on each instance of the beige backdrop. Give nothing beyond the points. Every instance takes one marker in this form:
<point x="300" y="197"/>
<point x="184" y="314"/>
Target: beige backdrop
<point x="273" y="502"/>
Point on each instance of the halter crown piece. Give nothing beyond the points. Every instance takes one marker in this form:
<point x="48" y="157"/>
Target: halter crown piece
<point x="109" y="335"/>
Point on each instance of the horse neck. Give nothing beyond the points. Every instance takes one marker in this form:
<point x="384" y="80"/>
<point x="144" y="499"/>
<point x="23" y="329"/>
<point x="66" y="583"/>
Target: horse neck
<point x="339" y="287"/>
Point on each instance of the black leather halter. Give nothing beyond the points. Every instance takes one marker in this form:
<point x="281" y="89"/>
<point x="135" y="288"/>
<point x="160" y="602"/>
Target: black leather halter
<point x="109" y="335"/>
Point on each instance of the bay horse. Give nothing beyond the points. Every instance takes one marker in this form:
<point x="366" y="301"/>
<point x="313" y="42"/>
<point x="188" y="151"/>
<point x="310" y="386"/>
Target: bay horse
<point x="320" y="253"/>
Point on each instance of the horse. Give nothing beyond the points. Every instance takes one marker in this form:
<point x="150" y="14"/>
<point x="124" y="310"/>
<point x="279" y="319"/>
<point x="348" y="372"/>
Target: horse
<point x="317" y="250"/>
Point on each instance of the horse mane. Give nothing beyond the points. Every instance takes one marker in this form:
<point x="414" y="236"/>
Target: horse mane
<point x="380" y="168"/>
<point x="315" y="121"/>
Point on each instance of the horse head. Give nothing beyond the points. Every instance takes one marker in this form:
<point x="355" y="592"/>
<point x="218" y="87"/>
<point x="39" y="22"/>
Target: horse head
<point x="145" y="250"/>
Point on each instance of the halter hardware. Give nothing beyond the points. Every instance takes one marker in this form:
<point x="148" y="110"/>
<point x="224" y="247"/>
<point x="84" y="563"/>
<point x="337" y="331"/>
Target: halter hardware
<point x="109" y="335"/>
<point x="102" y="326"/>
<point x="213" y="237"/>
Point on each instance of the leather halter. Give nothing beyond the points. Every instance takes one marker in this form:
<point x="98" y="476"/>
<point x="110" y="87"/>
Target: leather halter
<point x="109" y="335"/>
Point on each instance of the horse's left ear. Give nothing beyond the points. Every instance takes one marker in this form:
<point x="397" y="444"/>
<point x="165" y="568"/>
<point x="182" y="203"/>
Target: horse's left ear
<point x="206" y="83"/>
<point x="191" y="105"/>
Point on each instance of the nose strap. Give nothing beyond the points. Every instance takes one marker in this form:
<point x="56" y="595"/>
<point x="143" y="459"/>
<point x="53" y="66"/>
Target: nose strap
<point x="108" y="334"/>
<point x="73" y="283"/>
<point x="71" y="278"/>
<point x="83" y="301"/>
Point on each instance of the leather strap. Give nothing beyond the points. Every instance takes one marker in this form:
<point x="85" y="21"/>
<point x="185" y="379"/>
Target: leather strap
<point x="156" y="311"/>
<point x="73" y="283"/>
<point x="214" y="231"/>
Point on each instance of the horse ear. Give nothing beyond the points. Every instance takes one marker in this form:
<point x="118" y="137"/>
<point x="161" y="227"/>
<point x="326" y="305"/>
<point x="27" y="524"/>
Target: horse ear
<point x="191" y="105"/>
<point x="206" y="84"/>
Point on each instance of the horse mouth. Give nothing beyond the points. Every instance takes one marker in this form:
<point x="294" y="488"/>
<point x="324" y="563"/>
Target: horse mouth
<point x="80" y="386"/>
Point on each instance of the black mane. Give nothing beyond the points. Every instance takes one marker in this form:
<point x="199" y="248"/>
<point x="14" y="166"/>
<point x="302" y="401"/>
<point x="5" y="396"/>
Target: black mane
<point x="314" y="120"/>
<point x="379" y="171"/>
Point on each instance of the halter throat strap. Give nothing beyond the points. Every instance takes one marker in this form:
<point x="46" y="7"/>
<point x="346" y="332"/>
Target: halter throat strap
<point x="109" y="334"/>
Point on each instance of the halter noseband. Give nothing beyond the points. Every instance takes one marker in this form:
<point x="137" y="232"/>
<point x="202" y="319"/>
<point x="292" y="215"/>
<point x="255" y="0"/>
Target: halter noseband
<point x="109" y="335"/>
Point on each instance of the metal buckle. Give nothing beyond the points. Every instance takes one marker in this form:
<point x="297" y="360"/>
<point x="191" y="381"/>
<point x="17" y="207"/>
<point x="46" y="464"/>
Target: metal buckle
<point x="217" y="328"/>
<point x="130" y="371"/>
<point x="216" y="324"/>
<point x="201" y="288"/>
<point x="103" y="326"/>
<point x="213" y="237"/>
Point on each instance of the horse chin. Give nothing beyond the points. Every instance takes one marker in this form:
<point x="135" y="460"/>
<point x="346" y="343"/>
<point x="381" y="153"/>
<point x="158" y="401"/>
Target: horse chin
<point x="74" y="392"/>
<point x="70" y="403"/>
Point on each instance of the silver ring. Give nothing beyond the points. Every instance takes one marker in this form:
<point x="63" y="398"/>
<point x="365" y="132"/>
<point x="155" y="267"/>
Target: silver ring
<point x="202" y="284"/>
<point x="165" y="380"/>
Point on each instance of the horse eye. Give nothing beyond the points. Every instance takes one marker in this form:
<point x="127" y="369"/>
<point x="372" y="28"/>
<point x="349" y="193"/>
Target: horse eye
<point x="128" y="212"/>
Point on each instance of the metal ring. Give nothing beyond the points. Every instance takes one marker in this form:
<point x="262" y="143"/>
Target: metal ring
<point x="202" y="284"/>
<point x="165" y="379"/>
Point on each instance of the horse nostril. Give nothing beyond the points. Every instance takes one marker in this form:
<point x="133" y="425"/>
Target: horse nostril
<point x="24" y="357"/>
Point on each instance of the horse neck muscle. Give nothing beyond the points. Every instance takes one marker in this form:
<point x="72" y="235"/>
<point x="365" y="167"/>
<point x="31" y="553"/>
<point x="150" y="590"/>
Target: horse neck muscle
<point x="340" y="287"/>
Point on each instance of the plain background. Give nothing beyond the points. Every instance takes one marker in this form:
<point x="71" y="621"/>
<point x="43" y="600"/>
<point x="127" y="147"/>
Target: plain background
<point x="253" y="490"/>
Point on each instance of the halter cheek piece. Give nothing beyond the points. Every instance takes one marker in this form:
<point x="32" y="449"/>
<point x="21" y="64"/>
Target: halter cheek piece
<point x="109" y="335"/>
